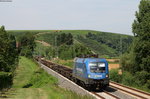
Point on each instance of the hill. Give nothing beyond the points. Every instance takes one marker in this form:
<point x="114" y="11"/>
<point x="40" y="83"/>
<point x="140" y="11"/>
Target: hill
<point x="105" y="44"/>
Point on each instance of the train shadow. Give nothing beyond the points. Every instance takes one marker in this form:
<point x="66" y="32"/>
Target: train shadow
<point x="108" y="89"/>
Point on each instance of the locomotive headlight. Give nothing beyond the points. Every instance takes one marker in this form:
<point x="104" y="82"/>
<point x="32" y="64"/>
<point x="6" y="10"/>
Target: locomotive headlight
<point x="89" y="76"/>
<point x="107" y="75"/>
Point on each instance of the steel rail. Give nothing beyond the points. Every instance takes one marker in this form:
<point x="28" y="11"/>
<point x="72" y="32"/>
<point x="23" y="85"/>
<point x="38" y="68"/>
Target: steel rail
<point x="128" y="92"/>
<point x="98" y="95"/>
<point x="148" y="94"/>
<point x="111" y="94"/>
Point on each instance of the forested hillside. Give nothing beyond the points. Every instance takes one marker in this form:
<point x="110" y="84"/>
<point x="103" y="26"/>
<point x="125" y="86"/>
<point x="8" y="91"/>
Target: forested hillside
<point x="105" y="44"/>
<point x="102" y="43"/>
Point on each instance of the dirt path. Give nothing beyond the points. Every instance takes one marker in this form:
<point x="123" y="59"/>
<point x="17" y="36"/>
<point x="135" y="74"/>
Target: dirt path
<point x="42" y="42"/>
<point x="42" y="33"/>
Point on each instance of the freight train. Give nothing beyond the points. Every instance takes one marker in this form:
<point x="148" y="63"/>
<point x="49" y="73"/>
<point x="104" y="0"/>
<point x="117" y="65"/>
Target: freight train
<point x="92" y="73"/>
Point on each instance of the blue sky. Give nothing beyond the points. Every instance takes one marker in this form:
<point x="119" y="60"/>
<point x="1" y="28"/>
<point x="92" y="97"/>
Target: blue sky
<point x="102" y="15"/>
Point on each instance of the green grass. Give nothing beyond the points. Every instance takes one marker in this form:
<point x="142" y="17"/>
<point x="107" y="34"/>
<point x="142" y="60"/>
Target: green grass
<point x="40" y="49"/>
<point x="48" y="37"/>
<point x="23" y="73"/>
<point x="68" y="63"/>
<point x="31" y="82"/>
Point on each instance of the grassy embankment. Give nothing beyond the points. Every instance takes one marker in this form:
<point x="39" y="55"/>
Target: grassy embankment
<point x="31" y="82"/>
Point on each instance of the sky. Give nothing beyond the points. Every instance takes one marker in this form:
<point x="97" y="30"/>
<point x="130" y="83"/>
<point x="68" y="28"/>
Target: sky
<point x="102" y="15"/>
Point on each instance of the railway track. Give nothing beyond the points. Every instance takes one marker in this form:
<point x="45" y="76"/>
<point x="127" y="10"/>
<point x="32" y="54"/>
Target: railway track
<point x="132" y="91"/>
<point x="104" y="94"/>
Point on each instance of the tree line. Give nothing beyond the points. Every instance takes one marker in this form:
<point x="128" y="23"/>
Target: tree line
<point x="135" y="63"/>
<point x="118" y="43"/>
<point x="10" y="49"/>
<point x="8" y="58"/>
<point x="62" y="47"/>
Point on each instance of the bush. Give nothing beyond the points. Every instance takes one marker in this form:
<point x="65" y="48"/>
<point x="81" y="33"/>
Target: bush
<point x="128" y="78"/>
<point x="5" y="80"/>
<point x="137" y="80"/>
<point x="148" y="84"/>
<point x="27" y="45"/>
<point x="114" y="76"/>
<point x="142" y="77"/>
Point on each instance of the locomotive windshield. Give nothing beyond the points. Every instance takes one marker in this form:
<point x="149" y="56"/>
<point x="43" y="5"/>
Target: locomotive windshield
<point x="97" y="67"/>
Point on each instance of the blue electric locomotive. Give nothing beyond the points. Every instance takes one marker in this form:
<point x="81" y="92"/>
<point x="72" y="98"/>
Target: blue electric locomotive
<point x="91" y="72"/>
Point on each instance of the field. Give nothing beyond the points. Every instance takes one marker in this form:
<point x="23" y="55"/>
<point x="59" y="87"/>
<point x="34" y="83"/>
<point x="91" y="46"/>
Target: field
<point x="31" y="82"/>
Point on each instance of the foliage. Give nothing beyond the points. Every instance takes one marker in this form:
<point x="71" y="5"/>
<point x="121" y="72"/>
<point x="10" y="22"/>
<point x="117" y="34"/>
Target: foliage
<point x="8" y="58"/>
<point x="27" y="45"/>
<point x="5" y="80"/>
<point x="64" y="38"/>
<point x="144" y="75"/>
<point x="63" y="50"/>
<point x="128" y="79"/>
<point x="68" y="63"/>
<point x="48" y="37"/>
<point x="138" y="80"/>
<point x="8" y="51"/>
<point x="137" y="60"/>
<point x="141" y="31"/>
<point x="44" y="51"/>
<point x="82" y="37"/>
<point x="119" y="43"/>
<point x="114" y="76"/>
<point x="56" y="39"/>
<point x="19" y="33"/>
<point x="69" y="52"/>
<point x="101" y="49"/>
<point x="127" y="62"/>
<point x="33" y="82"/>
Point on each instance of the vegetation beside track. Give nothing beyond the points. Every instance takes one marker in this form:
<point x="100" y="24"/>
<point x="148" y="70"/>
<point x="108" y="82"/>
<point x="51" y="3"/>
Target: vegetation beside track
<point x="129" y="79"/>
<point x="31" y="82"/>
<point x="68" y="63"/>
<point x="135" y="63"/>
<point x="8" y="59"/>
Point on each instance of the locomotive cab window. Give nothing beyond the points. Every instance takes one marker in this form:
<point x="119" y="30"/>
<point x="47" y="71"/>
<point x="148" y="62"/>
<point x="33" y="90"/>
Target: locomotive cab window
<point x="97" y="67"/>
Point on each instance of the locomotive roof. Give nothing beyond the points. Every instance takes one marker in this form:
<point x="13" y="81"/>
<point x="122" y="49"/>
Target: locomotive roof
<point x="81" y="60"/>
